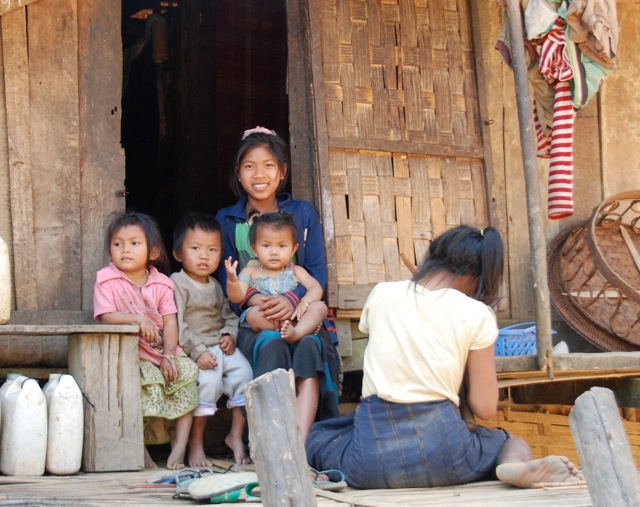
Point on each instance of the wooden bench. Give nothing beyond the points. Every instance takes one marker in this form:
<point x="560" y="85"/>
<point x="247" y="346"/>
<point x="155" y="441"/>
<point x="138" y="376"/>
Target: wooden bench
<point x="103" y="360"/>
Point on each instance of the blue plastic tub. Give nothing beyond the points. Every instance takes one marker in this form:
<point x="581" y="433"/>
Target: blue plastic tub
<point x="517" y="340"/>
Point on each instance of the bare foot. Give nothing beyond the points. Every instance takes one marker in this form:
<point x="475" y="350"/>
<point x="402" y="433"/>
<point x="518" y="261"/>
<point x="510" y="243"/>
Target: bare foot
<point x="548" y="469"/>
<point x="197" y="458"/>
<point x="289" y="332"/>
<point x="148" y="462"/>
<point x="239" y="452"/>
<point x="175" y="461"/>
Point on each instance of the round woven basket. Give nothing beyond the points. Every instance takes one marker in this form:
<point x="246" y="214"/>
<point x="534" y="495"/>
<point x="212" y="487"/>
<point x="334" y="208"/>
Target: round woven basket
<point x="594" y="274"/>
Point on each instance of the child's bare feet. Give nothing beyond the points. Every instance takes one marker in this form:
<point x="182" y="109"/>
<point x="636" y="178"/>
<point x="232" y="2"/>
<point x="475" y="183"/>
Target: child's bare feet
<point x="524" y="474"/>
<point x="289" y="332"/>
<point x="239" y="452"/>
<point x="198" y="458"/>
<point x="175" y="461"/>
<point x="148" y="462"/>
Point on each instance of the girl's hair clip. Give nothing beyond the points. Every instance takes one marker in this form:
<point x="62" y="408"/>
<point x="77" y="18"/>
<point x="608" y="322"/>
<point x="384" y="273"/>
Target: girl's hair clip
<point x="258" y="130"/>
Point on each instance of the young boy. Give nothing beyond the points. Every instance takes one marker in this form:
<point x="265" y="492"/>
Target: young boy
<point x="208" y="329"/>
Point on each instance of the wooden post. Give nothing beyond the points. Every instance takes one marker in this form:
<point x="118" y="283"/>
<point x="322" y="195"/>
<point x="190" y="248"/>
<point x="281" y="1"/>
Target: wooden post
<point x="607" y="461"/>
<point x="276" y="443"/>
<point x="532" y="186"/>
<point x="105" y="366"/>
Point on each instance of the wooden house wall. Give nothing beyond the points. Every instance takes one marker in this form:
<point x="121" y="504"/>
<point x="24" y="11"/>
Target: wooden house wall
<point x="61" y="165"/>
<point x="606" y="143"/>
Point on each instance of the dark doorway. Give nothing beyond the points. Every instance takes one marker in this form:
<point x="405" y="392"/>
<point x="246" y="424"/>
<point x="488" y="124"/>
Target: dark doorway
<point x="188" y="95"/>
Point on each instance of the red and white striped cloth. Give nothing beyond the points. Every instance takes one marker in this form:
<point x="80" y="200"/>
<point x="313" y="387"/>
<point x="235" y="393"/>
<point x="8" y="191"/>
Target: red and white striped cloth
<point x="554" y="65"/>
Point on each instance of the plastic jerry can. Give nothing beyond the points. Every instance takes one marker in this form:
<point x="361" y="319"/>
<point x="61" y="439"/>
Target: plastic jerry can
<point x="23" y="442"/>
<point x="65" y="424"/>
<point x="3" y="389"/>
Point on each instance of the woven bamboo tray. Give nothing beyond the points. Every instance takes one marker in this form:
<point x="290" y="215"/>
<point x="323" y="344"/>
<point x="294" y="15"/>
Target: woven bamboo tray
<point x="594" y="274"/>
<point x="546" y="428"/>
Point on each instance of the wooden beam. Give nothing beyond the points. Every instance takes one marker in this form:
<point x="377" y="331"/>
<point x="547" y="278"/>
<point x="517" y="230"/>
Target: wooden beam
<point x="10" y="5"/>
<point x="532" y="180"/>
<point x="607" y="462"/>
<point x="442" y="150"/>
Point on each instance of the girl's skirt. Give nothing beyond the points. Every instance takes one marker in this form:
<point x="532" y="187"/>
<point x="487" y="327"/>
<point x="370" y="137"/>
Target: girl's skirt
<point x="162" y="401"/>
<point x="392" y="445"/>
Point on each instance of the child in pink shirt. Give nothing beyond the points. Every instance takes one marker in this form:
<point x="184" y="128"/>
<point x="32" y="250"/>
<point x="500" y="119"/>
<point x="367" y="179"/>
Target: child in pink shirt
<point x="133" y="290"/>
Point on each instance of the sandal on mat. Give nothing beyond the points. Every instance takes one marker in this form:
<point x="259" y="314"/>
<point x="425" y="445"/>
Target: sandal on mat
<point x="186" y="476"/>
<point x="335" y="482"/>
<point x="223" y="488"/>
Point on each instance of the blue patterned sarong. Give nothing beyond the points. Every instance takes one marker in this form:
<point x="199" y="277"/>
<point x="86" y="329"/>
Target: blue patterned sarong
<point x="392" y="445"/>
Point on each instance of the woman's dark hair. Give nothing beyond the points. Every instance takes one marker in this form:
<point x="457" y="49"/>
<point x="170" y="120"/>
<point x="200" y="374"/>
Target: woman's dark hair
<point x="278" y="220"/>
<point x="466" y="250"/>
<point x="151" y="232"/>
<point x="272" y="142"/>
<point x="191" y="221"/>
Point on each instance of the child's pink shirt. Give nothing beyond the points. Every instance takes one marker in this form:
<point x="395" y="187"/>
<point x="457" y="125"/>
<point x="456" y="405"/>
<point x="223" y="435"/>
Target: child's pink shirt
<point x="114" y="292"/>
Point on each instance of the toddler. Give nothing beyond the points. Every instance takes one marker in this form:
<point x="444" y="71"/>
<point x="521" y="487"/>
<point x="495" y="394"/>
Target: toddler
<point x="208" y="330"/>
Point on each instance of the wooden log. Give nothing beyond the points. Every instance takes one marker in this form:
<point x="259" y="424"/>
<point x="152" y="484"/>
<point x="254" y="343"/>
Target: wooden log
<point x="277" y="448"/>
<point x="105" y="366"/>
<point x="607" y="462"/>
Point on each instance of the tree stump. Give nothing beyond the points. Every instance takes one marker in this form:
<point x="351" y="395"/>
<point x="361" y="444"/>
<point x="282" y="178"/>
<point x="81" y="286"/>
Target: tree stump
<point x="607" y="461"/>
<point x="277" y="448"/>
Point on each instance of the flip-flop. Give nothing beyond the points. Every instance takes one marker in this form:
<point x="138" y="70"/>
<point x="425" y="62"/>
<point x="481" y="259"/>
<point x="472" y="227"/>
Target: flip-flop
<point x="186" y="476"/>
<point x="336" y="481"/>
<point x="214" y="486"/>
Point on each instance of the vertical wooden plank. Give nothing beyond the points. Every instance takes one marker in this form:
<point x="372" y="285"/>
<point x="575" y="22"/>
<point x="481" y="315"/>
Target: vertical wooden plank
<point x="16" y="66"/>
<point x="102" y="161"/>
<point x="105" y="366"/>
<point x="11" y="5"/>
<point x="301" y="133"/>
<point x="620" y="128"/>
<point x="53" y="86"/>
<point x="5" y="196"/>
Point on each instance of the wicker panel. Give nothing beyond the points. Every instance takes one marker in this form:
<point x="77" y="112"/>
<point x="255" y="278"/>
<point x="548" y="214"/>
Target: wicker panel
<point x="383" y="205"/>
<point x="547" y="430"/>
<point x="406" y="71"/>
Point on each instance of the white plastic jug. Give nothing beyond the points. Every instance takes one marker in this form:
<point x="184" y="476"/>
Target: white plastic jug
<point x="66" y="424"/>
<point x="3" y="389"/>
<point x="5" y="283"/>
<point x="23" y="442"/>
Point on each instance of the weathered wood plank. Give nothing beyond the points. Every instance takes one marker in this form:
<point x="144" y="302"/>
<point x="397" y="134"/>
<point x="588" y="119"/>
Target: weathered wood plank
<point x="607" y="461"/>
<point x="53" y="115"/>
<point x="277" y="448"/>
<point x="11" y="5"/>
<point x="16" y="76"/>
<point x="102" y="162"/>
<point x="620" y="110"/>
<point x="105" y="366"/>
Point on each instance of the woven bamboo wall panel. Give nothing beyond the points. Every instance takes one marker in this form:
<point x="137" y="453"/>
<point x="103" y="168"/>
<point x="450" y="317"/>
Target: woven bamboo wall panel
<point x="399" y="70"/>
<point x="385" y="204"/>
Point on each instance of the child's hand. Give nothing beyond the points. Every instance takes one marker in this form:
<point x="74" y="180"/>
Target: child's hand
<point x="207" y="361"/>
<point x="148" y="331"/>
<point x="231" y="267"/>
<point x="169" y="369"/>
<point x="227" y="345"/>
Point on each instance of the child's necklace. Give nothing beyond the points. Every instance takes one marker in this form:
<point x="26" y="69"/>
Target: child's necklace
<point x="140" y="285"/>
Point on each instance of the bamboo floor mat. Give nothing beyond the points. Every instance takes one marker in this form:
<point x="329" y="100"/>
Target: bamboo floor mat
<point x="127" y="488"/>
